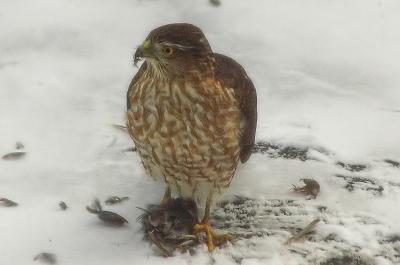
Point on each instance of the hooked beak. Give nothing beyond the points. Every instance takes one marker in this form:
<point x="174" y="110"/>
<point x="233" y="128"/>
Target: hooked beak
<point x="142" y="51"/>
<point x="139" y="55"/>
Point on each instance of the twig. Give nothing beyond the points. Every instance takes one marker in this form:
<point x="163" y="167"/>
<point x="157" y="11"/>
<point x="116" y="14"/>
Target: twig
<point x="303" y="232"/>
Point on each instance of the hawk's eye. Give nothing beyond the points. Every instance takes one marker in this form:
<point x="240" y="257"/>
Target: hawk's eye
<point x="167" y="50"/>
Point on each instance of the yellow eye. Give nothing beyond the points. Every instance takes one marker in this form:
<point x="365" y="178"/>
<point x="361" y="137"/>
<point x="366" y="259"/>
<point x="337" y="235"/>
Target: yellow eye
<point x="167" y="50"/>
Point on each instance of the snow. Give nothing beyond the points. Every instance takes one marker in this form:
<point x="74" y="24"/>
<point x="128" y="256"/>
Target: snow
<point x="327" y="75"/>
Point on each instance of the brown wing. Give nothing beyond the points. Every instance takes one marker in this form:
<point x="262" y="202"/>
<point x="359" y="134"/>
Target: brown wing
<point x="231" y="74"/>
<point x="133" y="82"/>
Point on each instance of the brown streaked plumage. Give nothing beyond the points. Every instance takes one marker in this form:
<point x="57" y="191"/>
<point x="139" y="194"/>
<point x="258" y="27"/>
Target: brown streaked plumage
<point x="192" y="114"/>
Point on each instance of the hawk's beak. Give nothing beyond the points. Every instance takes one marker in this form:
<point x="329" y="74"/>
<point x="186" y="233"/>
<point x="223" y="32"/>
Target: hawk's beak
<point x="142" y="51"/>
<point x="139" y="54"/>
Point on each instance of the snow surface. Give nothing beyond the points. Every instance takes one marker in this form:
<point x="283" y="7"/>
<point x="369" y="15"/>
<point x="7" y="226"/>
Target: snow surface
<point x="327" y="75"/>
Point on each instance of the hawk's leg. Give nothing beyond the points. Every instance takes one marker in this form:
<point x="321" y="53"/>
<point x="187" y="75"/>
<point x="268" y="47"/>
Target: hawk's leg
<point x="212" y="238"/>
<point x="167" y="196"/>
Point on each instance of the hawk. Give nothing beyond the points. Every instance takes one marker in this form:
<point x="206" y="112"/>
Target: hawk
<point x="192" y="115"/>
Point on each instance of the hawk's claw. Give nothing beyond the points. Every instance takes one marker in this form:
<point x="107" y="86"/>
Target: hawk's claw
<point x="212" y="238"/>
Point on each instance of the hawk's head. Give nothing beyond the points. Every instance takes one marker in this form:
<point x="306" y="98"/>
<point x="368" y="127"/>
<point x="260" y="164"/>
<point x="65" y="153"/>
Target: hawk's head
<point x="176" y="48"/>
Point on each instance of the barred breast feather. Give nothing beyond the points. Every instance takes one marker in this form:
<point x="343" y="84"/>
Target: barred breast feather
<point x="189" y="132"/>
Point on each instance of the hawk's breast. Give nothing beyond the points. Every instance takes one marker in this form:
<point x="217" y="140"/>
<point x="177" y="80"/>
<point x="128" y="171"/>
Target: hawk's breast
<point x="186" y="132"/>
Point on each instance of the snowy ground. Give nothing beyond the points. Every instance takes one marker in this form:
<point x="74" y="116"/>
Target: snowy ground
<point x="327" y="76"/>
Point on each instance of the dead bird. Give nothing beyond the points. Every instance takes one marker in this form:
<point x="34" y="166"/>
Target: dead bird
<point x="14" y="155"/>
<point x="169" y="225"/>
<point x="106" y="216"/>
<point x="311" y="188"/>
<point x="45" y="257"/>
<point x="7" y="203"/>
<point x="115" y="199"/>
<point x="63" y="205"/>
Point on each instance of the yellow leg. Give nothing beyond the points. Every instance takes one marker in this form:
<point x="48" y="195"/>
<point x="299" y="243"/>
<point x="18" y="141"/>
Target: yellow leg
<point x="212" y="238"/>
<point x="167" y="196"/>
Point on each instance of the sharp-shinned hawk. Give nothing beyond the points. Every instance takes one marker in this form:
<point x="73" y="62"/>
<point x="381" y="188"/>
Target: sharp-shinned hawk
<point x="192" y="115"/>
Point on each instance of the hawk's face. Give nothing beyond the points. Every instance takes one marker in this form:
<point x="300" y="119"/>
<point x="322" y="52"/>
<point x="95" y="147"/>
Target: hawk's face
<point x="175" y="49"/>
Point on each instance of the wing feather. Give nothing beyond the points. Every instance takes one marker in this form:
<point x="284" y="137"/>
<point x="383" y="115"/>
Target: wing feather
<point x="231" y="74"/>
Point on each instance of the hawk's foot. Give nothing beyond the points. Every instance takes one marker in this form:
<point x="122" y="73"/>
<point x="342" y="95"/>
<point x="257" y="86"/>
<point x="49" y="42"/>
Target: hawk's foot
<point x="212" y="238"/>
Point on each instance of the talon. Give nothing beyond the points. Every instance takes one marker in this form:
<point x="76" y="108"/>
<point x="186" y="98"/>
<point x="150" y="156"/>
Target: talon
<point x="212" y="238"/>
<point x="198" y="228"/>
<point x="221" y="239"/>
